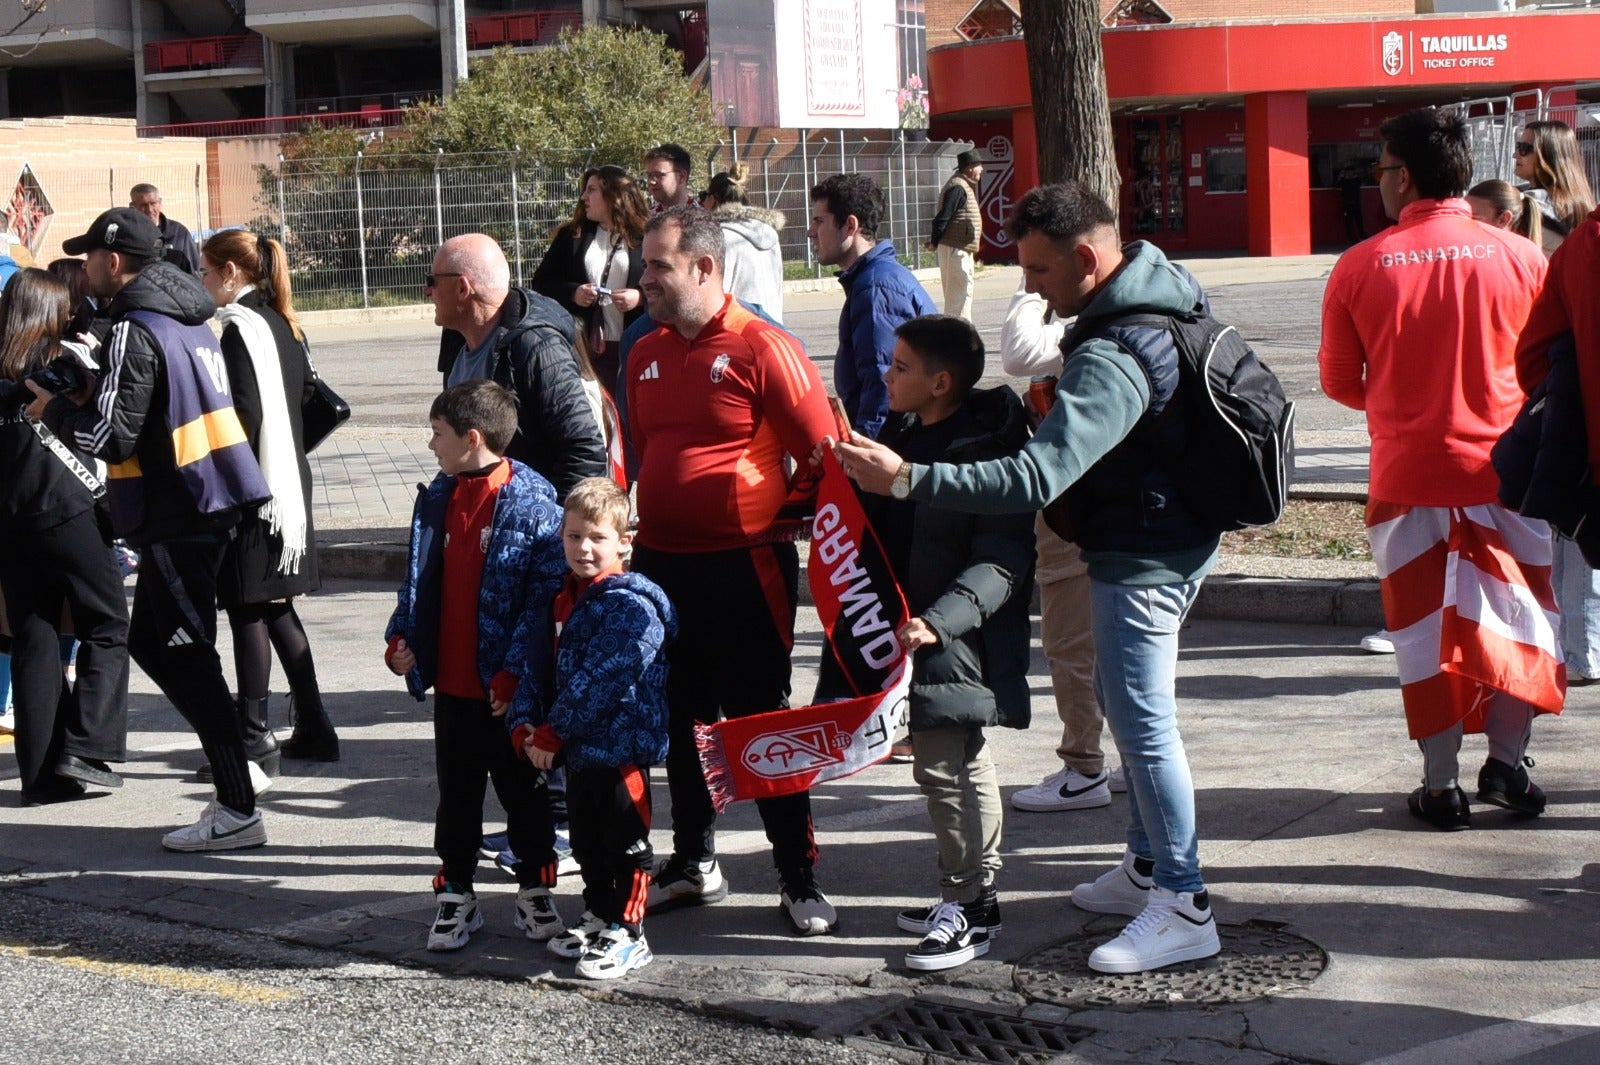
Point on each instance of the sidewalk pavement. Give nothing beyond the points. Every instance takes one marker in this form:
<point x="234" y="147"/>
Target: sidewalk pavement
<point x="1353" y="933"/>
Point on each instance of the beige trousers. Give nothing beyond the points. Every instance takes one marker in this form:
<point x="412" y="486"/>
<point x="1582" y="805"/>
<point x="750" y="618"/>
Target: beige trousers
<point x="1069" y="648"/>
<point x="955" y="272"/>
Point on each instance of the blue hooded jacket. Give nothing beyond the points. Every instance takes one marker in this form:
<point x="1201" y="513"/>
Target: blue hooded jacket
<point x="879" y="294"/>
<point x="610" y="705"/>
<point x="521" y="575"/>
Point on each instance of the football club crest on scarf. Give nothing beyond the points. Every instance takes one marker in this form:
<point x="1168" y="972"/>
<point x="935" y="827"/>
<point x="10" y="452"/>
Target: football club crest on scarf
<point x="861" y="607"/>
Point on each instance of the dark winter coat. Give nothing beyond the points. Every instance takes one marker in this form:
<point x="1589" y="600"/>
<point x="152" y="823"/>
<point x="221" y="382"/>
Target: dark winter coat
<point x="127" y="418"/>
<point x="879" y="294"/>
<point x="250" y="568"/>
<point x="521" y="575"/>
<point x="610" y="705"/>
<point x="970" y="577"/>
<point x="561" y="271"/>
<point x="37" y="490"/>
<point x="1542" y="460"/>
<point x="532" y="356"/>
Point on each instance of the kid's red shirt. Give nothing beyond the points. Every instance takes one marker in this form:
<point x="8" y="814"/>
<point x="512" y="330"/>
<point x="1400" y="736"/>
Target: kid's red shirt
<point x="711" y="420"/>
<point x="466" y="542"/>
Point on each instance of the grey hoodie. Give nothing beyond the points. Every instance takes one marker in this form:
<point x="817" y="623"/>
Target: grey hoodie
<point x="753" y="267"/>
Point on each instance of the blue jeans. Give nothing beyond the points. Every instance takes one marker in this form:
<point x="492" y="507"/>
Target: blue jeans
<point x="1578" y="598"/>
<point x="1135" y="679"/>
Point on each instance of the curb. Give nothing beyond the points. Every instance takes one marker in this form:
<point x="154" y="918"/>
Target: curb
<point x="1223" y="597"/>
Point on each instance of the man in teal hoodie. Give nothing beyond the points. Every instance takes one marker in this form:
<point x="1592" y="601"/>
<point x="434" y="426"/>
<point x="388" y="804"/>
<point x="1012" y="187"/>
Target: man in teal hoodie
<point x="1119" y="417"/>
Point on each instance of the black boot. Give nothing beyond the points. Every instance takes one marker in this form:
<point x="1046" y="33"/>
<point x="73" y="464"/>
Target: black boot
<point x="313" y="738"/>
<point x="260" y="745"/>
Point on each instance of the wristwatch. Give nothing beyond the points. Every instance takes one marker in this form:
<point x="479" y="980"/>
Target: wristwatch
<point x="900" y="487"/>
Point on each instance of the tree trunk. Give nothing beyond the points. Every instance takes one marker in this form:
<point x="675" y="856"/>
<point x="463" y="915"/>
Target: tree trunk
<point x="1071" y="109"/>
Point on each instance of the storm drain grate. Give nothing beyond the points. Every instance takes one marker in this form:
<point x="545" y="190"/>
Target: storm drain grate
<point x="1258" y="959"/>
<point x="970" y="1034"/>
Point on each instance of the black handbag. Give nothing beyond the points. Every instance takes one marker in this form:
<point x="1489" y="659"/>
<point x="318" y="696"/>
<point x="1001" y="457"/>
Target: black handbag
<point x="323" y="410"/>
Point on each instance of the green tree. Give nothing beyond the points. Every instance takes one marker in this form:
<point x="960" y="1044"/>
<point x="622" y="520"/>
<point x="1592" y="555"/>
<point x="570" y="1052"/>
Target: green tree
<point x="618" y="90"/>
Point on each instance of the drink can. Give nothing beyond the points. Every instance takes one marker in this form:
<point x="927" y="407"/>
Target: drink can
<point x="1042" y="394"/>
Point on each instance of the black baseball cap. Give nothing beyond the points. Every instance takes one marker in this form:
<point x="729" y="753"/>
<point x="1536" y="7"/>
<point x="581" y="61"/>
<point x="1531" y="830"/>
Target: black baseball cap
<point x="121" y="229"/>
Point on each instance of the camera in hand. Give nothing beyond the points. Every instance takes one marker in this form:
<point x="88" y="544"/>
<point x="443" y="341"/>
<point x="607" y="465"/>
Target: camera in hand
<point x="64" y="374"/>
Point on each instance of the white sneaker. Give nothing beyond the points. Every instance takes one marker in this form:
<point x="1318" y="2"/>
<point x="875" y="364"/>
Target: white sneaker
<point x="536" y="914"/>
<point x="1117" y="779"/>
<point x="1124" y="890"/>
<point x="613" y="953"/>
<point x="1065" y="789"/>
<point x="807" y="907"/>
<point x="457" y="919"/>
<point x="676" y="882"/>
<point x="259" y="779"/>
<point x="1175" y="927"/>
<point x="219" y="829"/>
<point x="576" y="940"/>
<point x="1379" y="643"/>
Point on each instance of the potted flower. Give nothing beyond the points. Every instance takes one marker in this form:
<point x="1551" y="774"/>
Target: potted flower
<point x="912" y="100"/>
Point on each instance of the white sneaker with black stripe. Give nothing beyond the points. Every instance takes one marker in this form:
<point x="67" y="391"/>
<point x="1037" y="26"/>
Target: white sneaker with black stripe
<point x="1176" y="926"/>
<point x="1065" y="789"/>
<point x="219" y="829"/>
<point x="458" y="917"/>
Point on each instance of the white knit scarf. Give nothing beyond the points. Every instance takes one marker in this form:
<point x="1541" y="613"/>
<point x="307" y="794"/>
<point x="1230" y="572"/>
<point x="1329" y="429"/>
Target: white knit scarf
<point x="279" y="454"/>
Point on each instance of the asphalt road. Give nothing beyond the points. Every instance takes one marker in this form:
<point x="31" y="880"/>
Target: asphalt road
<point x="84" y="985"/>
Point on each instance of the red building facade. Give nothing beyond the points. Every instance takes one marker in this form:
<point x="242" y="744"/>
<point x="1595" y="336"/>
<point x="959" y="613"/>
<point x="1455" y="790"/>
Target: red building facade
<point x="1234" y="135"/>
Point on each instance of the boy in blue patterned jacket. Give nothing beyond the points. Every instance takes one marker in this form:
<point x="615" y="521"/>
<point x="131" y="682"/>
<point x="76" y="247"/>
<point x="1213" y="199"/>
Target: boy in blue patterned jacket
<point x="474" y="623"/>
<point x="608" y="721"/>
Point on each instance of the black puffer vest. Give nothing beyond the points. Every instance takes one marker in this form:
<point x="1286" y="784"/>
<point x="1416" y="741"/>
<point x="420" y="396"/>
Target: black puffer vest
<point x="1127" y="501"/>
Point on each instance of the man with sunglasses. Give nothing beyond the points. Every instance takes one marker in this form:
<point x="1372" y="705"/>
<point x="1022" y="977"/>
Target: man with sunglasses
<point x="1419" y="330"/>
<point x="522" y="340"/>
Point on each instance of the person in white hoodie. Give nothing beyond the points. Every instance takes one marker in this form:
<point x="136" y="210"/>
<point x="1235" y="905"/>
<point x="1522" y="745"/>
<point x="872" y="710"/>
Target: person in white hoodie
<point x="1030" y="345"/>
<point x="754" y="263"/>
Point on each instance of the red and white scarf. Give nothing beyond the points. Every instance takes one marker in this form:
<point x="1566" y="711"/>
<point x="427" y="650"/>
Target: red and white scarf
<point x="788" y="751"/>
<point x="1469" y="604"/>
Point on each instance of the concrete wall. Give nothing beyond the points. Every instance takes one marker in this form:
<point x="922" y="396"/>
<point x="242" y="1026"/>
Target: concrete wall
<point x="85" y="165"/>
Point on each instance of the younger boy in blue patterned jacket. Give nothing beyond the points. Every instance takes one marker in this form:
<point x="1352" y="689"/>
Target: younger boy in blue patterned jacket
<point x="474" y="624"/>
<point x="608" y="721"/>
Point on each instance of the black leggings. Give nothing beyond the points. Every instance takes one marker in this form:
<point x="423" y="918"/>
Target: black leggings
<point x="258" y="630"/>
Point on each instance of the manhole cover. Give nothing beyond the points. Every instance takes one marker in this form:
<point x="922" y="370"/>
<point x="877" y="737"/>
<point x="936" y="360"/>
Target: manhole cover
<point x="1258" y="959"/>
<point x="970" y="1034"/>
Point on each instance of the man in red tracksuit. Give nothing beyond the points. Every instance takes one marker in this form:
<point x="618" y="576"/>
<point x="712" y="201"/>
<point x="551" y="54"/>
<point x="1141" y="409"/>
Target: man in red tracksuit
<point x="717" y="398"/>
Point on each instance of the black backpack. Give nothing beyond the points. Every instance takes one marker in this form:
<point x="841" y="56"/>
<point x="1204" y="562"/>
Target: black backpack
<point x="1235" y="471"/>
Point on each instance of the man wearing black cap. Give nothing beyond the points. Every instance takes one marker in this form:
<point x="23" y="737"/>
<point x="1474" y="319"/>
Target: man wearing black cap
<point x="181" y="470"/>
<point x="957" y="229"/>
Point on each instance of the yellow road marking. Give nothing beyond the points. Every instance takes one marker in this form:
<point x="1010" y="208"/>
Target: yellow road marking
<point x="164" y="976"/>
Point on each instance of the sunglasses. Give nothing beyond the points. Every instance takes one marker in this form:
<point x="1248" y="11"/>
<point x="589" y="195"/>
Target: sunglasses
<point x="1524" y="148"/>
<point x="432" y="280"/>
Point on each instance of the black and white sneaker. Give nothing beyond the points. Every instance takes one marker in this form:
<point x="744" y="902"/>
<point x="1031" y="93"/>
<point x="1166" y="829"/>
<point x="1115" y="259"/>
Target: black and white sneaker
<point x="950" y="942"/>
<point x="983" y="913"/>
<point x="536" y="914"/>
<point x="457" y="919"/>
<point x="678" y="882"/>
<point x="807" y="908"/>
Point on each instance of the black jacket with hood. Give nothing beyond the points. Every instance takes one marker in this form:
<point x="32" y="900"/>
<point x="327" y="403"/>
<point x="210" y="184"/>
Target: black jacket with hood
<point x="970" y="578"/>
<point x="127" y="415"/>
<point x="532" y="355"/>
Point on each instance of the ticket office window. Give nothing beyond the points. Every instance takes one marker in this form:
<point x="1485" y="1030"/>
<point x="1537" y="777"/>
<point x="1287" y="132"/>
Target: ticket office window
<point x="1342" y="161"/>
<point x="1225" y="169"/>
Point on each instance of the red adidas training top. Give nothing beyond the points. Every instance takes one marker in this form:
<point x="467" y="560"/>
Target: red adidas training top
<point x="711" y="420"/>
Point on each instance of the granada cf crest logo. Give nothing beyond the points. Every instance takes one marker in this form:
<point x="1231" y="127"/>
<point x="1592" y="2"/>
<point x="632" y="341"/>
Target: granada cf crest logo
<point x="1394" y="58"/>
<point x="790" y="752"/>
<point x="719" y="366"/>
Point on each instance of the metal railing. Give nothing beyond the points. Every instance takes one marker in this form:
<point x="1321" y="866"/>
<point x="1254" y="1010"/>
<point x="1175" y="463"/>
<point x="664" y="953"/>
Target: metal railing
<point x="519" y="28"/>
<point x="368" y="118"/>
<point x="1493" y="123"/>
<point x="362" y="232"/>
<point x="202" y="53"/>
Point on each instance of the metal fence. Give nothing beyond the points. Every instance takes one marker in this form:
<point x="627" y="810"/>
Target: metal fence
<point x="362" y="232"/>
<point x="1493" y="123"/>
